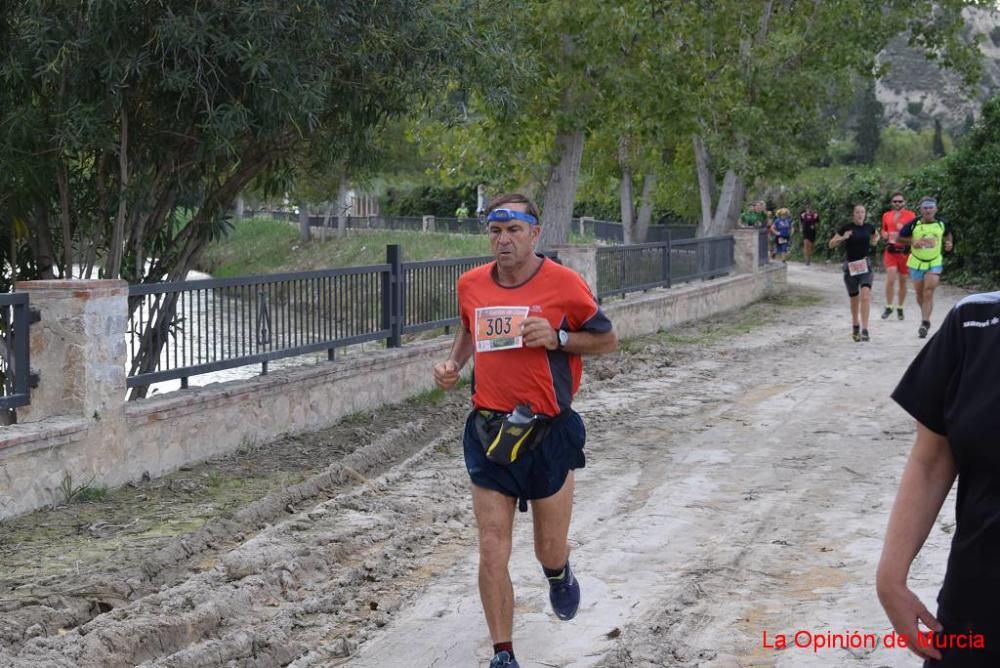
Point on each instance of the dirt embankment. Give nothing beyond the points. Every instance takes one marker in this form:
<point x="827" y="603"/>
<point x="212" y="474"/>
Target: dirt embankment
<point x="739" y="479"/>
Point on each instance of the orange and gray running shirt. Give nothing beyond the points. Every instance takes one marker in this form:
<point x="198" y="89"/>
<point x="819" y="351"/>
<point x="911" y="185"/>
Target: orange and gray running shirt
<point x="506" y="373"/>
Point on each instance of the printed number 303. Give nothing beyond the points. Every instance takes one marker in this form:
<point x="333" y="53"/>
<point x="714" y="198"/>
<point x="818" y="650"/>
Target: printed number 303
<point x="495" y="326"/>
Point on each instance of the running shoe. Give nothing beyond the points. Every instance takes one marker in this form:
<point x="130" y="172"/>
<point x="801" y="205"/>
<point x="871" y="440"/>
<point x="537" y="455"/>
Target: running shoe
<point x="924" y="328"/>
<point x="504" y="660"/>
<point x="856" y="333"/>
<point x="564" y="594"/>
<point x="899" y="314"/>
<point x="887" y="312"/>
<point x="864" y="335"/>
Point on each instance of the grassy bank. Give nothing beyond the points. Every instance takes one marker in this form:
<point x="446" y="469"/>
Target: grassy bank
<point x="265" y="246"/>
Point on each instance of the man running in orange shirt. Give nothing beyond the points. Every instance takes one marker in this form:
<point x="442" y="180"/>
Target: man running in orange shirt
<point x="526" y="321"/>
<point x="896" y="254"/>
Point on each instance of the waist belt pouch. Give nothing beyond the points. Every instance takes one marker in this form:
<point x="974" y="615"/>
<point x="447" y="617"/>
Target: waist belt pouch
<point x="506" y="437"/>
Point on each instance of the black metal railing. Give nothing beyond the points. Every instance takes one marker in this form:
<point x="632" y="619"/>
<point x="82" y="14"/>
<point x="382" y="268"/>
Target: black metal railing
<point x="15" y="362"/>
<point x="179" y="330"/>
<point x="624" y="269"/>
<point x="611" y="231"/>
<point x="763" y="251"/>
<point x="429" y="299"/>
<point x="189" y="328"/>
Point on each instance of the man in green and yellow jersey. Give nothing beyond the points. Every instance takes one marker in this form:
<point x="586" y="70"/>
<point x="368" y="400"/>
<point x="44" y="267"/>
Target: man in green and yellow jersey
<point x="928" y="238"/>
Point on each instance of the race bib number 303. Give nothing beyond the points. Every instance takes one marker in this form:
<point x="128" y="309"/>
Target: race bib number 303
<point x="499" y="327"/>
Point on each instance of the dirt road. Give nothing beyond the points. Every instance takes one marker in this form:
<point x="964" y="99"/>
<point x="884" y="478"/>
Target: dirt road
<point x="739" y="479"/>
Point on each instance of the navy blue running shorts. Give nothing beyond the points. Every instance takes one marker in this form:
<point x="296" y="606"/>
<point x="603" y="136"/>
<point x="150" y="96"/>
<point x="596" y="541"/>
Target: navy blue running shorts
<point x="536" y="474"/>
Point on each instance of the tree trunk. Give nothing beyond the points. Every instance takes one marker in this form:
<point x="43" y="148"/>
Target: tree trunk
<point x="304" y="222"/>
<point x="706" y="185"/>
<point x="626" y="197"/>
<point x="40" y="239"/>
<point x="342" y="205"/>
<point x="730" y="201"/>
<point x="113" y="266"/>
<point x="560" y="191"/>
<point x="62" y="179"/>
<point x="645" y="208"/>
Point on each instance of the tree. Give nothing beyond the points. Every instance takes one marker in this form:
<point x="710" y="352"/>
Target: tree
<point x="938" y="145"/>
<point x="774" y="68"/>
<point x="870" y="115"/>
<point x="116" y="116"/>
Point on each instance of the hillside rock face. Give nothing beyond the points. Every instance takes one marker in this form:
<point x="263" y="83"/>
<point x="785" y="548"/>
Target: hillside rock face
<point x="916" y="91"/>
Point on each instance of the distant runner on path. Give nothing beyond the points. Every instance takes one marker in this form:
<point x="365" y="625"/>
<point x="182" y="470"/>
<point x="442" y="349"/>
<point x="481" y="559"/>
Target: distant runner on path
<point x="928" y="238"/>
<point x="896" y="254"/>
<point x="858" y="238"/>
<point x="527" y="321"/>
<point x="808" y="221"/>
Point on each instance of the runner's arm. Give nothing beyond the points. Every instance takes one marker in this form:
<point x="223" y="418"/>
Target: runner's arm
<point x="462" y="347"/>
<point x="926" y="481"/>
<point x="836" y="240"/>
<point x="905" y="236"/>
<point x="591" y="343"/>
<point x="927" y="478"/>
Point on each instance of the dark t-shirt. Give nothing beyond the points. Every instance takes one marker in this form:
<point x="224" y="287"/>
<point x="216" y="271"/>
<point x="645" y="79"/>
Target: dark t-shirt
<point x="808" y="221"/>
<point x="859" y="245"/>
<point x="952" y="389"/>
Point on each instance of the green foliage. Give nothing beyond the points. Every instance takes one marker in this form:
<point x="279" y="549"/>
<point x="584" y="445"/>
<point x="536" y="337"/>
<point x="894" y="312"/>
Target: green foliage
<point x="428" y="200"/>
<point x="905" y="150"/>
<point x="964" y="184"/>
<point x="969" y="199"/>
<point x="869" y="126"/>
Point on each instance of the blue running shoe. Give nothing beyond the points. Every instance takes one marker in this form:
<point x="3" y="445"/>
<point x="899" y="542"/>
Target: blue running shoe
<point x="503" y="660"/>
<point x="564" y="594"/>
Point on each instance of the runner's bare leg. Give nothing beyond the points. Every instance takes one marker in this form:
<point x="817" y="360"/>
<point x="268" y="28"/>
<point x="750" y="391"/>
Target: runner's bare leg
<point x="551" y="517"/>
<point x="495" y="519"/>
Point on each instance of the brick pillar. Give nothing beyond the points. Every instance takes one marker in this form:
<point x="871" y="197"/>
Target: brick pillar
<point x="582" y="259"/>
<point x="78" y="349"/>
<point x="747" y="253"/>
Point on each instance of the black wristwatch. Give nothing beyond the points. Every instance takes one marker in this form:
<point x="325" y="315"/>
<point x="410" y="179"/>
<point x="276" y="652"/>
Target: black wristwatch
<point x="563" y="337"/>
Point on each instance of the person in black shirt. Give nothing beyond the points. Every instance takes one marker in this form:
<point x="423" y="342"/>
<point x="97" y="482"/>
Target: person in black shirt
<point x="951" y="389"/>
<point x="808" y="220"/>
<point x="858" y="238"/>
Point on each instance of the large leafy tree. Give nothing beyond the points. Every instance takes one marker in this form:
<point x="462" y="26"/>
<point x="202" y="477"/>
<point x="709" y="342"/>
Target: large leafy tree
<point x="128" y="127"/>
<point x="772" y="70"/>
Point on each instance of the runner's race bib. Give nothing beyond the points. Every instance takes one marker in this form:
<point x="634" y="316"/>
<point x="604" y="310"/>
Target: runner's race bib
<point x="858" y="267"/>
<point x="499" y="327"/>
<point x="782" y="240"/>
<point x="892" y="237"/>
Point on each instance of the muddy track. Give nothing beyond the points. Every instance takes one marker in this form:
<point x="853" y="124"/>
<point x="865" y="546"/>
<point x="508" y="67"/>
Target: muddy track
<point x="38" y="601"/>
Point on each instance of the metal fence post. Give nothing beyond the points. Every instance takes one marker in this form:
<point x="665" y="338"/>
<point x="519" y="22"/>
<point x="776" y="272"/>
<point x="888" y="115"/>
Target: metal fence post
<point x="392" y="296"/>
<point x="666" y="261"/>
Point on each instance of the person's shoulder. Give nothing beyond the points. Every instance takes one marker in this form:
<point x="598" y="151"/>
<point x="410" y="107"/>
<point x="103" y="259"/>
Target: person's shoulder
<point x="476" y="275"/>
<point x="982" y="299"/>
<point x="977" y="312"/>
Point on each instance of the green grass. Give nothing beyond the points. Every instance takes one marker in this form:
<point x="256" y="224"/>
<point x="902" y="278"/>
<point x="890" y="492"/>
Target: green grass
<point x="267" y="246"/>
<point x="262" y="246"/>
